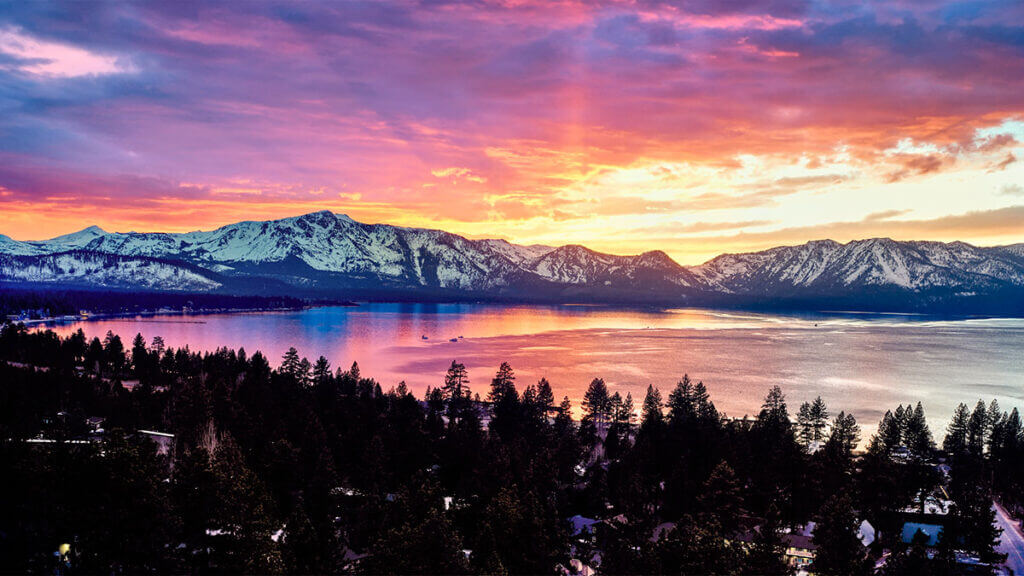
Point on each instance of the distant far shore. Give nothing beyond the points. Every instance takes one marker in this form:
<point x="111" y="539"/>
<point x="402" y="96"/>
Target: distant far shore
<point x="48" y="305"/>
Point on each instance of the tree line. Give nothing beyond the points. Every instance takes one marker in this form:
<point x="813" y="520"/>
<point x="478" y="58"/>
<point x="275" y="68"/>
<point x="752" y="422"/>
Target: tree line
<point x="305" y="468"/>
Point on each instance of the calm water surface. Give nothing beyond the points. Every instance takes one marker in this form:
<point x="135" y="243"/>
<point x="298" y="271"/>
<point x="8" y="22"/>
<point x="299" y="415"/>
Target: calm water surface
<point x="861" y="364"/>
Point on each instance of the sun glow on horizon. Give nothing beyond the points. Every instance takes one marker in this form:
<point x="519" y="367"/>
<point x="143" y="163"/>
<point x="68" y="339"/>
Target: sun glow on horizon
<point x="622" y="127"/>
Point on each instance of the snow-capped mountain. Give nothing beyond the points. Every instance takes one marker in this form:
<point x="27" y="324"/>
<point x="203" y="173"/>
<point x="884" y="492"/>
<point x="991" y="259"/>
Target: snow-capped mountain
<point x="825" y="265"/>
<point x="105" y="270"/>
<point x="574" y="264"/>
<point x="330" y="254"/>
<point x="327" y="250"/>
<point x="10" y="246"/>
<point x="1016" y="250"/>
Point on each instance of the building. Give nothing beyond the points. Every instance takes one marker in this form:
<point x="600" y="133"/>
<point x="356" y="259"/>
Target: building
<point x="800" y="546"/>
<point x="95" y="424"/>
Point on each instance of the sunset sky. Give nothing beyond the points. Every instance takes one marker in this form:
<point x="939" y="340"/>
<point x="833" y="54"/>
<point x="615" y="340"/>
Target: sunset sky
<point x="693" y="127"/>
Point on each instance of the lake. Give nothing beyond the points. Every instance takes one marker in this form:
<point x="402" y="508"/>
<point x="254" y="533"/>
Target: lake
<point x="863" y="364"/>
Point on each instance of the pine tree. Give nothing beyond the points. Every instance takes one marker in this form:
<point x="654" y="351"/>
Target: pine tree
<point x="993" y="417"/>
<point x="140" y="355"/>
<point x="503" y="385"/>
<point x="900" y="419"/>
<point x="1013" y="433"/>
<point x="545" y="397"/>
<point x="427" y="544"/>
<point x="456" y="381"/>
<point x="766" y="556"/>
<point x="505" y="403"/>
<point x="321" y="370"/>
<point x="774" y="417"/>
<point x="300" y="546"/>
<point x="977" y="429"/>
<point x="563" y="420"/>
<point x="889" y="434"/>
<point x="844" y="437"/>
<point x="113" y="352"/>
<point x="402" y="390"/>
<point x="596" y="402"/>
<point x="918" y="436"/>
<point x="132" y="514"/>
<point x="158" y="345"/>
<point x="304" y="373"/>
<point x="812" y="421"/>
<point x="840" y="552"/>
<point x="974" y="525"/>
<point x="722" y="499"/>
<point x="625" y="413"/>
<point x="956" y="433"/>
<point x="290" y="362"/>
<point x="805" y="431"/>
<point x="652" y="409"/>
<point x="94" y="359"/>
<point x="914" y="561"/>
<point x="707" y="414"/>
<point x="681" y="406"/>
<point x="243" y="515"/>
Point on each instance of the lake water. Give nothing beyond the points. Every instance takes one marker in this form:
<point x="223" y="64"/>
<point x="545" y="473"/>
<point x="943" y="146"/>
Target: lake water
<point x="858" y="363"/>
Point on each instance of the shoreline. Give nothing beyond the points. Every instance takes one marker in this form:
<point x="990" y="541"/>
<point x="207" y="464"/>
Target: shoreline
<point x="911" y="317"/>
<point x="72" y="318"/>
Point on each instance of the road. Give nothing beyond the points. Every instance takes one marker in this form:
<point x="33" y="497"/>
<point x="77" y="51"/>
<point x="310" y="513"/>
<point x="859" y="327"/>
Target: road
<point x="1011" y="542"/>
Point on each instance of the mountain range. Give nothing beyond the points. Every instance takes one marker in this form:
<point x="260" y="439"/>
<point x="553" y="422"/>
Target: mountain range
<point x="326" y="254"/>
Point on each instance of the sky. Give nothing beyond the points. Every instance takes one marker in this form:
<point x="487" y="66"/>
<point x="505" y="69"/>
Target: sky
<point x="694" y="127"/>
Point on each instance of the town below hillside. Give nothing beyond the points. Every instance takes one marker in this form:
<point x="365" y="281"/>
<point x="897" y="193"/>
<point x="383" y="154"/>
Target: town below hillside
<point x="125" y="455"/>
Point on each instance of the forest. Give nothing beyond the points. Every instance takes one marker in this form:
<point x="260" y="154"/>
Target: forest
<point x="37" y="303"/>
<point x="133" y="457"/>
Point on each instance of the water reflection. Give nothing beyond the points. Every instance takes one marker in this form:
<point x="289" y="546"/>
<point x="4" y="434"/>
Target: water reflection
<point x="860" y="363"/>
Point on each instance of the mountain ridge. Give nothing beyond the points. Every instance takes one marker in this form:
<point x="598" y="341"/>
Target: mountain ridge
<point x="327" y="253"/>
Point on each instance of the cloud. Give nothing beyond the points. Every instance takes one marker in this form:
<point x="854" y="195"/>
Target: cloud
<point x="531" y="118"/>
<point x="53" y="59"/>
<point x="1008" y="159"/>
<point x="698" y="227"/>
<point x="997" y="223"/>
<point x="916" y="165"/>
<point x="884" y="215"/>
<point x="456" y="174"/>
<point x="1011" y="190"/>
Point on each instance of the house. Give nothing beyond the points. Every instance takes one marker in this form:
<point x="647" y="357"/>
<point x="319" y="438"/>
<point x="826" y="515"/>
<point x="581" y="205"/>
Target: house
<point x="95" y="424"/>
<point x="800" y="546"/>
<point x="584" y="530"/>
<point x="901" y="454"/>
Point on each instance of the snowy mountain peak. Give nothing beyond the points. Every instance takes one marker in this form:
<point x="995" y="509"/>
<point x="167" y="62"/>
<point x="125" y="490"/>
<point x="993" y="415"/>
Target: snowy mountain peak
<point x="9" y="245"/>
<point x="657" y="259"/>
<point x="78" y="239"/>
<point x="323" y="217"/>
<point x="872" y="262"/>
<point x="326" y="253"/>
